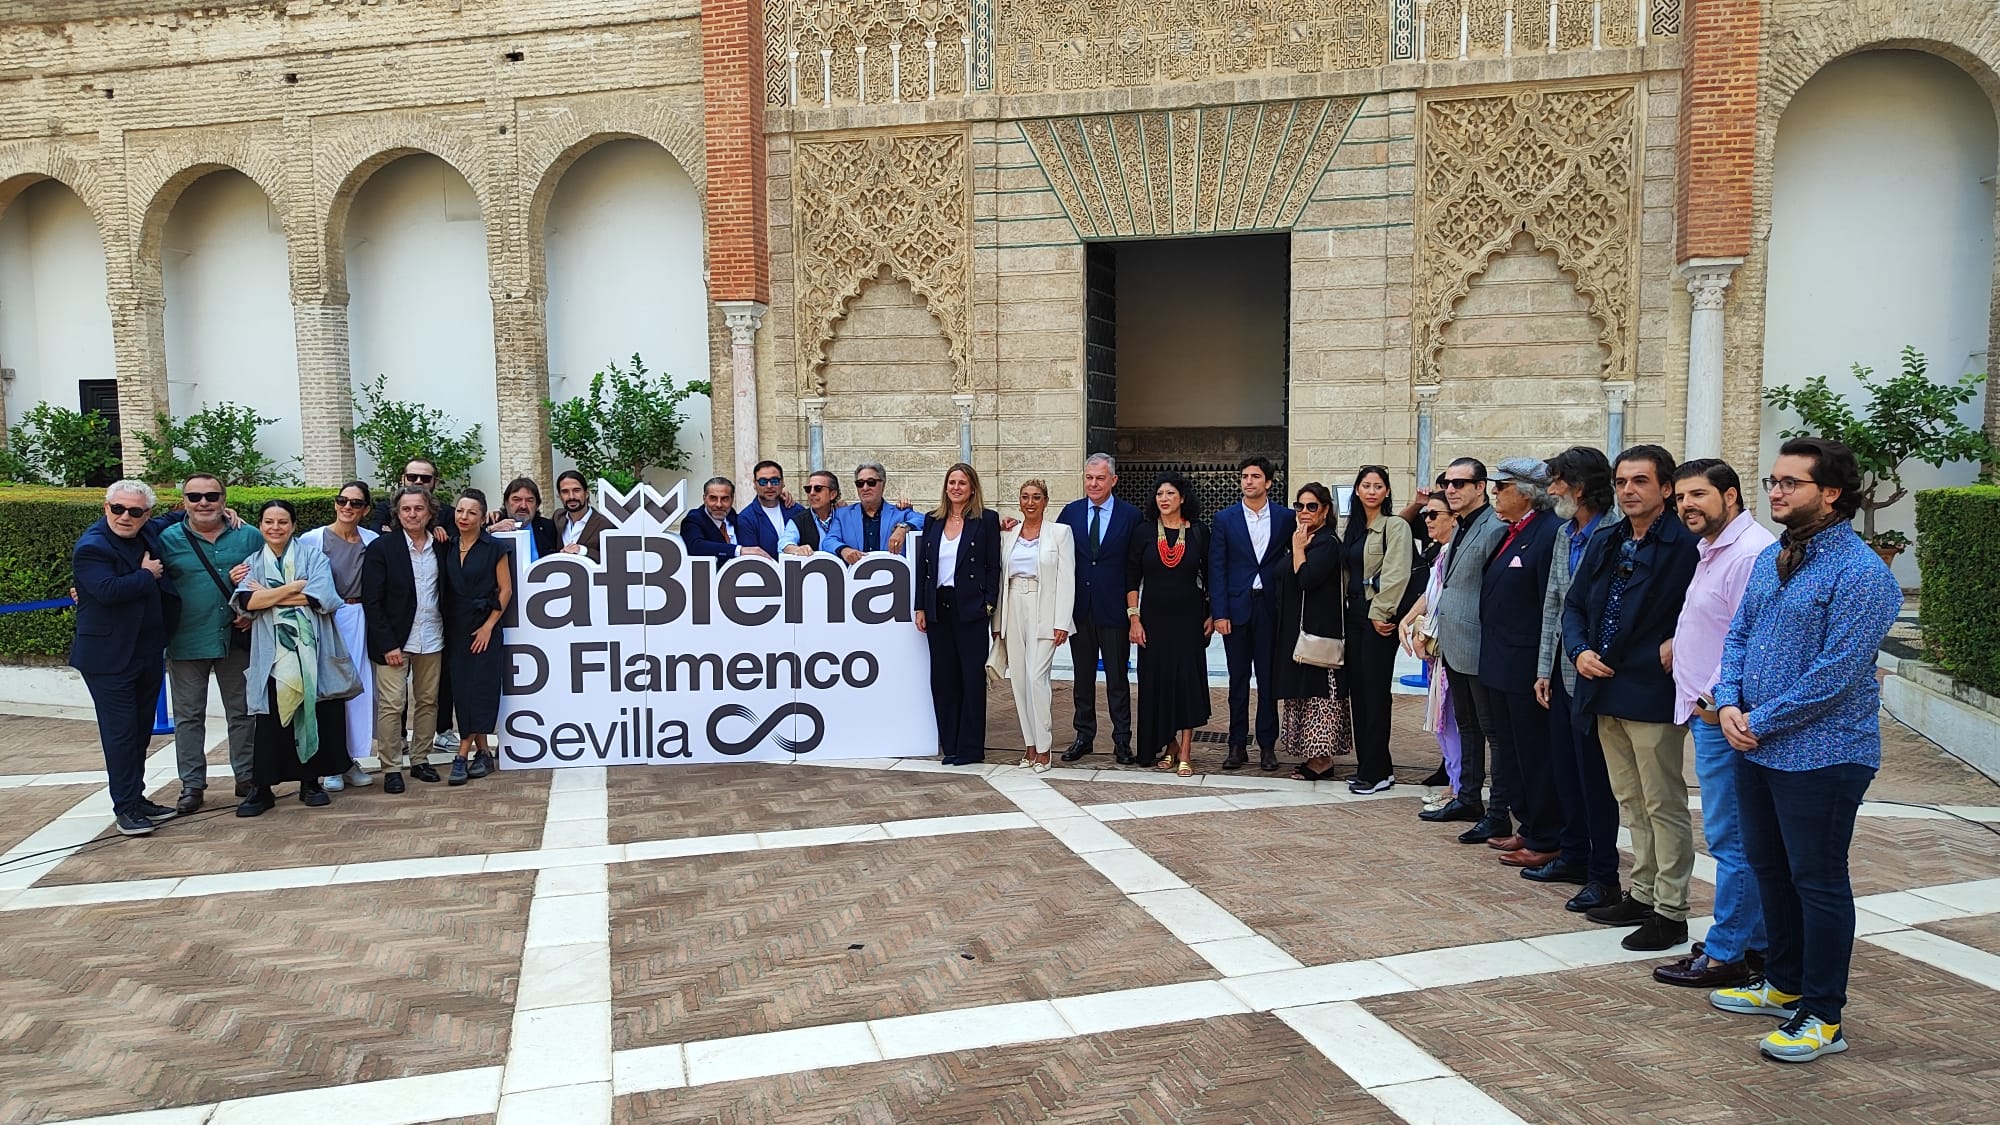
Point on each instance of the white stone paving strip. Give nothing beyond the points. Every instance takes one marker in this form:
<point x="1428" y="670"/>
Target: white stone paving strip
<point x="1975" y="965"/>
<point x="79" y="825"/>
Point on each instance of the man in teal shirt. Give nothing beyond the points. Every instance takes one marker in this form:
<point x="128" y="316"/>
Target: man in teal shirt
<point x="199" y="553"/>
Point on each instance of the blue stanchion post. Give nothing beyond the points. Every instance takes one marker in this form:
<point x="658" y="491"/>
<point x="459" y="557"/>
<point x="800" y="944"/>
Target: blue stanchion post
<point x="163" y="719"/>
<point x="1422" y="681"/>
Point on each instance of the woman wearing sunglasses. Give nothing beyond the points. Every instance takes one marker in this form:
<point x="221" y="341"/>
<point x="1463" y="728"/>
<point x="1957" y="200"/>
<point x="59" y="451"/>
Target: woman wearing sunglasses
<point x="1313" y="724"/>
<point x="342" y="542"/>
<point x="1419" y="631"/>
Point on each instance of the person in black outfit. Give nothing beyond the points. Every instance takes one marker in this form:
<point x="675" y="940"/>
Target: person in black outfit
<point x="958" y="582"/>
<point x="1102" y="526"/>
<point x="1510" y="623"/>
<point x="1166" y="583"/>
<point x="1376" y="546"/>
<point x="523" y="498"/>
<point x="478" y="584"/>
<point x="1314" y="721"/>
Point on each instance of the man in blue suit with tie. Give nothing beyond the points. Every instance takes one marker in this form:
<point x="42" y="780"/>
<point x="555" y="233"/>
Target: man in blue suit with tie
<point x="1102" y="526"/>
<point x="718" y="531"/>
<point x="1251" y="541"/>
<point x="126" y="608"/>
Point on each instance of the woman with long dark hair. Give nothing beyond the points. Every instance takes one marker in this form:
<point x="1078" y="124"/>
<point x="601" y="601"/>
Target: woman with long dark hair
<point x="1377" y="547"/>
<point x="1313" y="722"/>
<point x="1166" y="579"/>
<point x="478" y="581"/>
<point x="958" y="586"/>
<point x="342" y="542"/>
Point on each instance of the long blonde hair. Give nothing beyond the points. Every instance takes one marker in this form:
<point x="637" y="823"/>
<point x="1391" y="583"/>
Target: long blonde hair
<point x="974" y="504"/>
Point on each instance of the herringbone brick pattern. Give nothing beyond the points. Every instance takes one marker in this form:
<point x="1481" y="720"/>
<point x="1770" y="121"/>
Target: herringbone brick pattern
<point x="495" y="814"/>
<point x="736" y="944"/>
<point x="1335" y="883"/>
<point x="23" y="811"/>
<point x="657" y="804"/>
<point x="1135" y="792"/>
<point x="1894" y="855"/>
<point x="132" y="1006"/>
<point x="1980" y="932"/>
<point x="30" y="745"/>
<point x="1603" y="1045"/>
<point x="1233" y="1070"/>
<point x="1915" y="770"/>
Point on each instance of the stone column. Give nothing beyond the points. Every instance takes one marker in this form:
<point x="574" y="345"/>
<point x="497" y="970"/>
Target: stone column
<point x="814" y="409"/>
<point x="744" y="319"/>
<point x="1617" y="393"/>
<point x="139" y="350"/>
<point x="326" y="391"/>
<point x="964" y="404"/>
<point x="521" y="384"/>
<point x="1427" y="394"/>
<point x="1708" y="283"/>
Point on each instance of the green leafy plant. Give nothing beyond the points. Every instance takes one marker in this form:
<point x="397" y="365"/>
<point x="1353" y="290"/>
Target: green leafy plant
<point x="219" y="439"/>
<point x="59" y="446"/>
<point x="1907" y="418"/>
<point x="626" y="423"/>
<point x="392" y="432"/>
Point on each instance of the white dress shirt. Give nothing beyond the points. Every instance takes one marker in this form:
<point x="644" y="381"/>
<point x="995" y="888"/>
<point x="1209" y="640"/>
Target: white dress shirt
<point x="1259" y="523"/>
<point x="427" y="630"/>
<point x="572" y="529"/>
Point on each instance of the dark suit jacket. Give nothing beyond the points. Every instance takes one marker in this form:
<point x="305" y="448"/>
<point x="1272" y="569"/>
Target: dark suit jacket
<point x="1510" y="618"/>
<point x="976" y="582"/>
<point x="1100" y="574"/>
<point x="701" y="537"/>
<point x="594" y="527"/>
<point x="1641" y="690"/>
<point x="795" y="514"/>
<point x="542" y="530"/>
<point x="389" y="592"/>
<point x="123" y="614"/>
<point x="808" y="528"/>
<point x="1233" y="564"/>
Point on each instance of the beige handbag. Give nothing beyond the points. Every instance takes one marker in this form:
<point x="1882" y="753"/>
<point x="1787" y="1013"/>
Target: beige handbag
<point x="1318" y="651"/>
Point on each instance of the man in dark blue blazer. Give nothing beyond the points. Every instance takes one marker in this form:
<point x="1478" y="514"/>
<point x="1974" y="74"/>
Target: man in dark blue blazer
<point x="1251" y="541"/>
<point x="718" y="531"/>
<point x="1102" y="526"/>
<point x="768" y="502"/>
<point x="1510" y="637"/>
<point x="126" y="608"/>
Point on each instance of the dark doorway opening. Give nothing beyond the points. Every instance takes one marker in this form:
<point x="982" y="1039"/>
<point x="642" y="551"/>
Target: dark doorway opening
<point x="101" y="395"/>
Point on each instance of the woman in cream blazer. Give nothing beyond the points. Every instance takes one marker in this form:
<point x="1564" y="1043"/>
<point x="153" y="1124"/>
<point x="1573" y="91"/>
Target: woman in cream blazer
<point x="1035" y="615"/>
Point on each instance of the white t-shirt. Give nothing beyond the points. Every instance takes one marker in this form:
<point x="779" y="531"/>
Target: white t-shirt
<point x="947" y="569"/>
<point x="1026" y="561"/>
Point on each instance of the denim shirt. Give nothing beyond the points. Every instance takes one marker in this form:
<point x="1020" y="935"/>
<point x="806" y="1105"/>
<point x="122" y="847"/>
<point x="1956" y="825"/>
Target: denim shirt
<point x="1800" y="657"/>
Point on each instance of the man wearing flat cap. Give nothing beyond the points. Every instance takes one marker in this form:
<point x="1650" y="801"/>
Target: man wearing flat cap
<point x="1510" y="637"/>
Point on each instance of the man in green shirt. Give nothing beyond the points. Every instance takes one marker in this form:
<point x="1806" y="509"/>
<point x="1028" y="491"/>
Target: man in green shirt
<point x="199" y="553"/>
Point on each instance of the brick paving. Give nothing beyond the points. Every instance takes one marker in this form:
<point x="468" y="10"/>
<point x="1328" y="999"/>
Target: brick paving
<point x="39" y="745"/>
<point x="24" y="810"/>
<point x="1981" y="932"/>
<point x="663" y="804"/>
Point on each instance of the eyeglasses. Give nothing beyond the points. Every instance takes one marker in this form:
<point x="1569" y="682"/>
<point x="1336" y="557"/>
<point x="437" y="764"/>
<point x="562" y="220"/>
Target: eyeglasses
<point x="1435" y="515"/>
<point x="419" y="478"/>
<point x="349" y="502"/>
<point x="1309" y="506"/>
<point x="202" y="497"/>
<point x="1502" y="485"/>
<point x="819" y="488"/>
<point x="769" y="481"/>
<point x="136" y="512"/>
<point x="1463" y="482"/>
<point x="867" y="482"/>
<point x="1785" y="486"/>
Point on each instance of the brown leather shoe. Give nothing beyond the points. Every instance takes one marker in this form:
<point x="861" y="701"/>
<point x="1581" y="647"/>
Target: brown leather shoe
<point x="1522" y="857"/>
<point x="1697" y="971"/>
<point x="1512" y="843"/>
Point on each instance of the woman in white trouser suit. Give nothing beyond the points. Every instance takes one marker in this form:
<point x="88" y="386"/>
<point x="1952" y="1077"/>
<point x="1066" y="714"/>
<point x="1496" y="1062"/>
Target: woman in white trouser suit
<point x="342" y="542"/>
<point x="1035" y="615"/>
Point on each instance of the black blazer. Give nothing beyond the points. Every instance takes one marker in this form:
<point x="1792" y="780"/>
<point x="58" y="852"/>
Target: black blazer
<point x="121" y="611"/>
<point x="547" y="537"/>
<point x="389" y="592"/>
<point x="1510" y="620"/>
<point x="978" y="567"/>
<point x="1642" y="690"/>
<point x="808" y="529"/>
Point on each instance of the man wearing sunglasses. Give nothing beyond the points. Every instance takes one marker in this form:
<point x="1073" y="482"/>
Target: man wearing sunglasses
<point x="1479" y="532"/>
<point x="418" y="472"/>
<point x="871" y="523"/>
<point x="421" y="473"/>
<point x="822" y="500"/>
<point x="212" y="638"/>
<point x="1618" y="619"/>
<point x="769" y="502"/>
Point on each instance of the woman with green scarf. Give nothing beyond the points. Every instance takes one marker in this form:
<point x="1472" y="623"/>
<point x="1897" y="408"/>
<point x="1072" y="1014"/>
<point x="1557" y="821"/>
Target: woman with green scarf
<point x="299" y="670"/>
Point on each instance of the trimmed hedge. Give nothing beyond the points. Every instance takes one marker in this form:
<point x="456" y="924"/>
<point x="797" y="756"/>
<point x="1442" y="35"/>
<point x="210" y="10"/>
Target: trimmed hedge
<point x="40" y="526"/>
<point x="1958" y="555"/>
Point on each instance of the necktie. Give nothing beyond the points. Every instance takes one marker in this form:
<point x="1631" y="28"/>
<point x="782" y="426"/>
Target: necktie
<point x="1096" y="532"/>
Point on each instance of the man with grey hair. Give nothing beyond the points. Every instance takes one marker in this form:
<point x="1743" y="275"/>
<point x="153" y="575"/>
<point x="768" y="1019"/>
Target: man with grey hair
<point x="1510" y="626"/>
<point x="1102" y="526"/>
<point x="1457" y="613"/>
<point x="126" y="608"/>
<point x="871" y="523"/>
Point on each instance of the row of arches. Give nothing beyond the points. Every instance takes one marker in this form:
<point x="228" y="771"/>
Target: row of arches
<point x="411" y="255"/>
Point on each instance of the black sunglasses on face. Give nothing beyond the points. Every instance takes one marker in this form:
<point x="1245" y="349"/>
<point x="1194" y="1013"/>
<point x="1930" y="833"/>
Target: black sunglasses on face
<point x="1435" y="515"/>
<point x="1453" y="482"/>
<point x="867" y="482"/>
<point x="202" y="497"/>
<point x="349" y="502"/>
<point x="1309" y="506"/>
<point x="819" y="488"/>
<point x="419" y="478"/>
<point x="136" y="512"/>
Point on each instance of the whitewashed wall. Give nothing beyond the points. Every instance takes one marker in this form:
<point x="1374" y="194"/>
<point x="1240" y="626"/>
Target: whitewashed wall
<point x="229" y="313"/>
<point x="55" y="327"/>
<point x="1881" y="235"/>
<point x="624" y="246"/>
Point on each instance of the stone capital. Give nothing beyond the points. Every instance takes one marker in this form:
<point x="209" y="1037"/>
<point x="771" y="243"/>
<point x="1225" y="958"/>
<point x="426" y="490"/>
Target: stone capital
<point x="744" y="318"/>
<point x="964" y="404"/>
<point x="814" y="409"/>
<point x="1617" y="392"/>
<point x="1708" y="280"/>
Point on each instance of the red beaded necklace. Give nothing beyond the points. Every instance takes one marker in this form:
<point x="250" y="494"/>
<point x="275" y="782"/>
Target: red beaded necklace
<point x="1170" y="555"/>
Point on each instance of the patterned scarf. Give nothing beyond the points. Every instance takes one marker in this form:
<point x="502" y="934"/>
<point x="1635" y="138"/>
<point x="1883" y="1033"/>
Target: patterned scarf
<point x="295" y="655"/>
<point x="1792" y="544"/>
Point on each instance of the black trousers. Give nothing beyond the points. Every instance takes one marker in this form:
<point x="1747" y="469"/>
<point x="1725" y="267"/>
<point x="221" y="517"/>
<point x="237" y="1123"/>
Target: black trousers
<point x="1474" y="712"/>
<point x="1112" y="644"/>
<point x="125" y="703"/>
<point x="1371" y="662"/>
<point x="1521" y="757"/>
<point x="958" y="679"/>
<point x="1589" y="834"/>
<point x="1250" y="645"/>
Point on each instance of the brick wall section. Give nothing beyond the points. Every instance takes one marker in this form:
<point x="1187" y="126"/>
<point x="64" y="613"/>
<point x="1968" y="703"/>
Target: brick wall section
<point x="1718" y="128"/>
<point x="732" y="70"/>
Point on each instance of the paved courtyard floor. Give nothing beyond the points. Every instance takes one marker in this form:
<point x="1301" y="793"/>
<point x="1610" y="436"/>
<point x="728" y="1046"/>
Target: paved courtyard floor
<point x="883" y="941"/>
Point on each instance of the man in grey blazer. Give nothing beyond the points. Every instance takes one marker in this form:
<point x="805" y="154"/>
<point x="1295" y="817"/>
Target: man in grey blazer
<point x="1480" y="530"/>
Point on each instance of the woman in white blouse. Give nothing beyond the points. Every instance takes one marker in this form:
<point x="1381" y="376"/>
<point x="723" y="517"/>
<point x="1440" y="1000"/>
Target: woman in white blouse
<point x="1035" y="615"/>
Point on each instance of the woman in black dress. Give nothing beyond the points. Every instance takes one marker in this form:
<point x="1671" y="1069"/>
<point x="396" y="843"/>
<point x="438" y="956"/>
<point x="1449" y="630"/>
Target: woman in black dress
<point x="1166" y="579"/>
<point x="479" y="582"/>
<point x="1315" y="723"/>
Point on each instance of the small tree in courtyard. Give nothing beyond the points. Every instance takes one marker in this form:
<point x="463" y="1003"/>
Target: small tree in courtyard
<point x="626" y="423"/>
<point x="1906" y="418"/>
<point x="57" y="445"/>
<point x="219" y="439"/>
<point x="392" y="432"/>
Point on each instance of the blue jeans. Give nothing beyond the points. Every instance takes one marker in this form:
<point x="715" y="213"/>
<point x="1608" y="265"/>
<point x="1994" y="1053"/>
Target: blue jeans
<point x="1739" y="912"/>
<point x="1797" y="828"/>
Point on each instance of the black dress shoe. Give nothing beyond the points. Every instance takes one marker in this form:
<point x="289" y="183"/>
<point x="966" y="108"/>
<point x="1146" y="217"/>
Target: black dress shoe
<point x="1076" y="751"/>
<point x="260" y="801"/>
<point x="1627" y="911"/>
<point x="1656" y="933"/>
<point x="190" y="801"/>
<point x="1487" y="827"/>
<point x="314" y="796"/>
<point x="1556" y="871"/>
<point x="392" y="783"/>
<point x="1592" y="896"/>
<point x="423" y="771"/>
<point x="1239" y="756"/>
<point x="1122" y="756"/>
<point x="1438" y="778"/>
<point x="1267" y="760"/>
<point x="1458" y="808"/>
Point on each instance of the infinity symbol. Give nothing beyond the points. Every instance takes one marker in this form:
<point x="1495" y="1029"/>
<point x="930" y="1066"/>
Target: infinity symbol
<point x="764" y="730"/>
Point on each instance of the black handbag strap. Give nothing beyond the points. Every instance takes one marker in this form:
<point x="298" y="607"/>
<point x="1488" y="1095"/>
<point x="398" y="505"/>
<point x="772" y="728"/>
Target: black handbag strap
<point x="221" y="583"/>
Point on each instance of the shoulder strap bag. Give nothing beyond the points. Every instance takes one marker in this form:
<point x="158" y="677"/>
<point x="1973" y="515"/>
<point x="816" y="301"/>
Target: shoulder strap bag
<point x="1318" y="651"/>
<point x="238" y="637"/>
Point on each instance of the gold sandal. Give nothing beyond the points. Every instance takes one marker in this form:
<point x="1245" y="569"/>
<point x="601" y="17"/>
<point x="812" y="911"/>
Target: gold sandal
<point x="1165" y="764"/>
<point x="1186" y="768"/>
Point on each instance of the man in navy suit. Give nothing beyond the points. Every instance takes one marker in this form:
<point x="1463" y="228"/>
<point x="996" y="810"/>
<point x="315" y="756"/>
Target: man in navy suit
<point x="126" y="608"/>
<point x="769" y="503"/>
<point x="1102" y="525"/>
<point x="1251" y="541"/>
<point x="720" y="533"/>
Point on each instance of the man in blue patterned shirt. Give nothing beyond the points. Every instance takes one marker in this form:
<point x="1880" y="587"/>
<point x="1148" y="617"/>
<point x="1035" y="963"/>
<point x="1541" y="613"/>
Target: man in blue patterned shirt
<point x="1797" y="696"/>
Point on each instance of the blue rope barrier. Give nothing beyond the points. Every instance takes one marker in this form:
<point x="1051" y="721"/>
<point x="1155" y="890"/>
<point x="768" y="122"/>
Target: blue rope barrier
<point x="30" y="607"/>
<point x="163" y="720"/>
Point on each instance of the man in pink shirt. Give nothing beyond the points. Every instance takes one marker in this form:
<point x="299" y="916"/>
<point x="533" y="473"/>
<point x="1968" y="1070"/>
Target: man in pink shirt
<point x="1710" y="500"/>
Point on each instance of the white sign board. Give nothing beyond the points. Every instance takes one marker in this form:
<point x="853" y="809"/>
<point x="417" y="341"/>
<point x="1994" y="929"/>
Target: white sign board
<point x="655" y="656"/>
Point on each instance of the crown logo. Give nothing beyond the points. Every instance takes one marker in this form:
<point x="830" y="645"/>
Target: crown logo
<point x="643" y="510"/>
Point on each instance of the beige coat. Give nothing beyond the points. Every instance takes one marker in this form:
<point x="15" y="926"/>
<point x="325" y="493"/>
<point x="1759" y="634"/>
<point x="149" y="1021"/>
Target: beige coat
<point x="1055" y="601"/>
<point x="1387" y="557"/>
